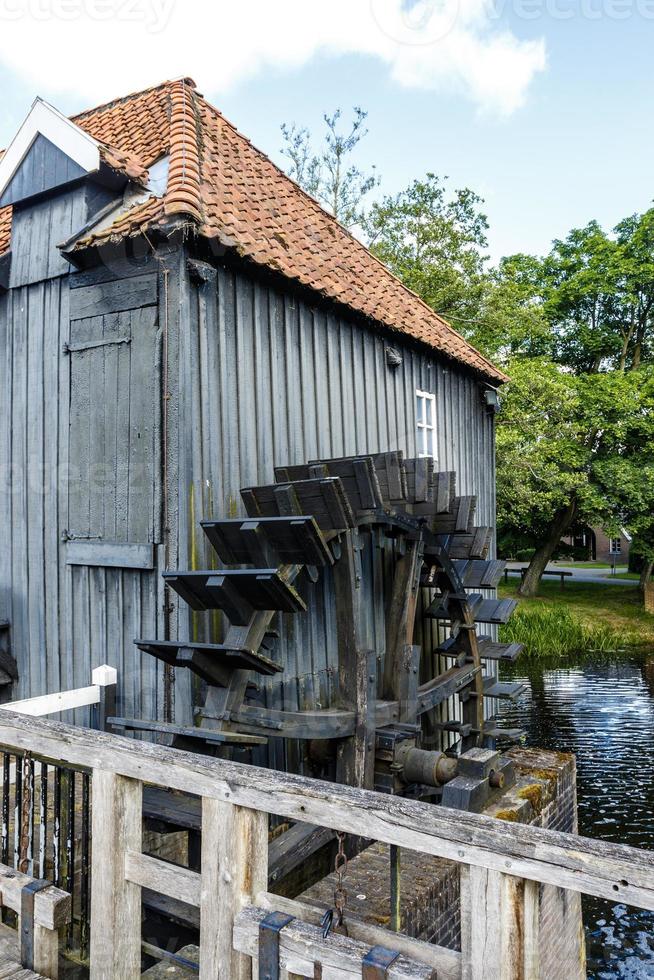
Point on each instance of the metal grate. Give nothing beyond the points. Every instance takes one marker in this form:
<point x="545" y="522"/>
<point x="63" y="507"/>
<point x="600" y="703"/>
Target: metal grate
<point x="46" y="832"/>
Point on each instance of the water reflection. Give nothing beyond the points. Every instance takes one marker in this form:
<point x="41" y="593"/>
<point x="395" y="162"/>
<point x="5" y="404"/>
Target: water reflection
<point x="604" y="713"/>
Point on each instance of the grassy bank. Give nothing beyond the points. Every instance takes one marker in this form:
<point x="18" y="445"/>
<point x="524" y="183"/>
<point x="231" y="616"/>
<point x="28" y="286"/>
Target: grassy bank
<point x="584" y="617"/>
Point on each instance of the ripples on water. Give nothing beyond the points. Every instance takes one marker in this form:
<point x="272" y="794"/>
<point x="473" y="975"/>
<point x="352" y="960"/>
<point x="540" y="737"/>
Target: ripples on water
<point x="604" y="714"/>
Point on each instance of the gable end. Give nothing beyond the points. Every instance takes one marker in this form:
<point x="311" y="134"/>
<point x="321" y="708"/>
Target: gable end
<point x="46" y="139"/>
<point x="44" y="168"/>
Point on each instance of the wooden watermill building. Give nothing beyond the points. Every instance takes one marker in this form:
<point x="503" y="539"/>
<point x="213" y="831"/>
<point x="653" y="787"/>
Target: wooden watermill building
<point x="246" y="467"/>
<point x="177" y="319"/>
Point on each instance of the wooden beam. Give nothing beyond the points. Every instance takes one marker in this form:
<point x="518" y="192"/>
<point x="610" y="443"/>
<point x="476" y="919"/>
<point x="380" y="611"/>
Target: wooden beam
<point x="46" y="952"/>
<point x="109" y="554"/>
<point x="234" y="869"/>
<point x="400" y="622"/>
<point x="50" y="704"/>
<point x="115" y="901"/>
<point x="600" y="868"/>
<point x="301" y="945"/>
<point x="52" y="906"/>
<point x="163" y="878"/>
<point x="499" y="927"/>
<point x="357" y="671"/>
<point x="295" y="846"/>
<point x="446" y="962"/>
<point x="330" y="723"/>
<point x="444" y="686"/>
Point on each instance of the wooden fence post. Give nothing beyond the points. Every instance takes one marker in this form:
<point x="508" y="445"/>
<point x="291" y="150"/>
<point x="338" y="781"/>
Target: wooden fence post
<point x="499" y="926"/>
<point x="46" y="951"/>
<point x="234" y="870"/>
<point x="106" y="678"/>
<point x="115" y="902"/>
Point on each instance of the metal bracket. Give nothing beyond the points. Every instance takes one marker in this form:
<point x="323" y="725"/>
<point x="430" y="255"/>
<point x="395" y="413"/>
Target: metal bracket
<point x="93" y="344"/>
<point x="27" y="920"/>
<point x="269" y="930"/>
<point x="376" y="963"/>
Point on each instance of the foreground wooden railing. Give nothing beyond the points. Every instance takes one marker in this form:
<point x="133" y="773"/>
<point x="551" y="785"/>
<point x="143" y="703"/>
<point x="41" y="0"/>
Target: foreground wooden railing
<point x="500" y="862"/>
<point x="41" y="912"/>
<point x="44" y="810"/>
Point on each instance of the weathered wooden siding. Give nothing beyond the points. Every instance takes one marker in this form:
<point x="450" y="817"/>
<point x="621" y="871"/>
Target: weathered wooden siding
<point x="39" y="227"/>
<point x="80" y="457"/>
<point x="266" y="379"/>
<point x="44" y="167"/>
<point x="100" y="370"/>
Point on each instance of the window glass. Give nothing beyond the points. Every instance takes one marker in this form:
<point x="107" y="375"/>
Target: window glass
<point x="426" y="423"/>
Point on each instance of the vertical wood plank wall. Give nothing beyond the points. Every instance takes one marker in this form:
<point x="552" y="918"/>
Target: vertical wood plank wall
<point x="266" y="379"/>
<point x="66" y="619"/>
<point x="256" y="378"/>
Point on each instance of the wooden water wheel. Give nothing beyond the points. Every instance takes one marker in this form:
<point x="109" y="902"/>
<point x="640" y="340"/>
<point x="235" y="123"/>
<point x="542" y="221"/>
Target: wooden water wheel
<point x="379" y="727"/>
<point x="313" y="521"/>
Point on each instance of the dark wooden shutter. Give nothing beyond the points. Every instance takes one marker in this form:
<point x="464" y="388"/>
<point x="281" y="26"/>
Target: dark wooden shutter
<point x="114" y="432"/>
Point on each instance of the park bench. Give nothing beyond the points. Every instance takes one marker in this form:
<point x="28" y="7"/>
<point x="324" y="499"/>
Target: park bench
<point x="552" y="572"/>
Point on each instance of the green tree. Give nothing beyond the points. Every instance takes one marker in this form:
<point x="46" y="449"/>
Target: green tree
<point x="434" y="240"/>
<point x="572" y="449"/>
<point x="582" y="287"/>
<point x="511" y="321"/>
<point x="327" y="173"/>
<point x="635" y="239"/>
<point x="597" y="292"/>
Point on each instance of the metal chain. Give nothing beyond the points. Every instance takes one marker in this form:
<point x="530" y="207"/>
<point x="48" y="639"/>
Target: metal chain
<point x="333" y="918"/>
<point x="25" y="816"/>
<point x="340" y="869"/>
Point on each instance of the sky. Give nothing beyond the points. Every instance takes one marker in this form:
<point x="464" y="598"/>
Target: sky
<point x="543" y="107"/>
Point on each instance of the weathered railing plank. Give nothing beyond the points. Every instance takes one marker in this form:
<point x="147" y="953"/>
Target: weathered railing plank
<point x="52" y="909"/>
<point x="598" y="868"/>
<point x="503" y="866"/>
<point x="116" y="902"/>
<point x="446" y="962"/>
<point x="301" y="946"/>
<point x="234" y="869"/>
<point x="163" y="878"/>
<point x="499" y="926"/>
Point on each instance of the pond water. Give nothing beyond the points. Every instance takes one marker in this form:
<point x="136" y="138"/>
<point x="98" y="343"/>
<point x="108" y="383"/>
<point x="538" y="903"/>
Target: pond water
<point x="603" y="712"/>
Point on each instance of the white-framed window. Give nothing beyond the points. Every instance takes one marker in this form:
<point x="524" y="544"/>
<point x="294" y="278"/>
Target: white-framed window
<point x="615" y="546"/>
<point x="426" y="423"/>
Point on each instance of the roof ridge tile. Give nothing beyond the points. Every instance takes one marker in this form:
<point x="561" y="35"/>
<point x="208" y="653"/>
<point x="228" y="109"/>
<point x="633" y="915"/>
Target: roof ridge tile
<point x="183" y="194"/>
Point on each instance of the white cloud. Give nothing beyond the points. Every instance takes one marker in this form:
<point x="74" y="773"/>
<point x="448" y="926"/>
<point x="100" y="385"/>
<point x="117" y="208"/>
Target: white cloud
<point x="104" y="47"/>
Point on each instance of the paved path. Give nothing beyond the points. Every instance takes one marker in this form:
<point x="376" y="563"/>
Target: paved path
<point x="594" y="576"/>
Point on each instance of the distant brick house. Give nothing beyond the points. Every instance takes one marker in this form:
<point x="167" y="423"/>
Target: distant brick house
<point x="594" y="544"/>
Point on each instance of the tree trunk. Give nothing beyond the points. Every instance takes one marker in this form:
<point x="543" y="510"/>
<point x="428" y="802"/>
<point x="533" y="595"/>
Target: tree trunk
<point x="646" y="574"/>
<point x="626" y="341"/>
<point x="637" y="354"/>
<point x="562" y="521"/>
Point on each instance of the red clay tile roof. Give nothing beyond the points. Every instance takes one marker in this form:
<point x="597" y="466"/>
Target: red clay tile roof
<point x="235" y="194"/>
<point x="5" y="229"/>
<point x="124" y="163"/>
